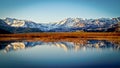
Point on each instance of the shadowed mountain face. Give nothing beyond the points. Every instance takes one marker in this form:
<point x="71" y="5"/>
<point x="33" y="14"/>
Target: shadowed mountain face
<point x="2" y="31"/>
<point x="4" y="27"/>
<point x="67" y="25"/>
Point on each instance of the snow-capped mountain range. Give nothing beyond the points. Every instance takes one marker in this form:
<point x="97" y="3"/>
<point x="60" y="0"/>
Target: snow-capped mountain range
<point x="66" y="25"/>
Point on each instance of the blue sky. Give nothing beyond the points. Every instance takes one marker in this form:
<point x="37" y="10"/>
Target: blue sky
<point x="45" y="11"/>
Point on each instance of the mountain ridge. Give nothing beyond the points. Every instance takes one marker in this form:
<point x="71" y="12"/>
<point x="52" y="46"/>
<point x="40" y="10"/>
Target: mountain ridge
<point x="65" y="25"/>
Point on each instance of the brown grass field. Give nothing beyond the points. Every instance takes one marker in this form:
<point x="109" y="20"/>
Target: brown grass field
<point x="62" y="36"/>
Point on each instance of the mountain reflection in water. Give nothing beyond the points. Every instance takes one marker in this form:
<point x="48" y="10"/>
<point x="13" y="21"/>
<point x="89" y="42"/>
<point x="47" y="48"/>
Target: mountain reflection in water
<point x="60" y="54"/>
<point x="83" y="44"/>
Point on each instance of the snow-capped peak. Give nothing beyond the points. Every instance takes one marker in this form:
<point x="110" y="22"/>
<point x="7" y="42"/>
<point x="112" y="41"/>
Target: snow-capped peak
<point x="21" y="23"/>
<point x="14" y="22"/>
<point x="86" y="23"/>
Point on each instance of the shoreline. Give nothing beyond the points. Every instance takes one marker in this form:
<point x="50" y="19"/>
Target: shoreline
<point x="61" y="36"/>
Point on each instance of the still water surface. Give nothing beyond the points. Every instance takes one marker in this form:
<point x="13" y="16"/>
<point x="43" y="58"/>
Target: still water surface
<point x="90" y="53"/>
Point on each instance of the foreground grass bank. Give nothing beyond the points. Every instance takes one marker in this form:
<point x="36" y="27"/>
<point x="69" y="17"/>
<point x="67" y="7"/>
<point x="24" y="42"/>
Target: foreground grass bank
<point x="62" y="36"/>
